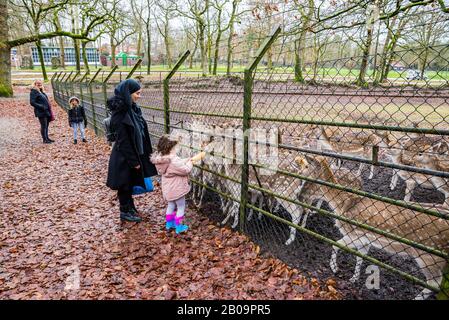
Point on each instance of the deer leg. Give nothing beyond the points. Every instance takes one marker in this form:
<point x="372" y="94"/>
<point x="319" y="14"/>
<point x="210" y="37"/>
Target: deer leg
<point x="409" y="187"/>
<point x="345" y="241"/>
<point x="431" y="267"/>
<point x="307" y="212"/>
<point x="225" y="220"/>
<point x="394" y="179"/>
<point x="253" y="201"/>
<point x="333" y="262"/>
<point x="296" y="214"/>
<point x="371" y="172"/>
<point x="359" y="170"/>
<point x="260" y="206"/>
<point x="363" y="248"/>
<point x="226" y="210"/>
<point x="235" y="212"/>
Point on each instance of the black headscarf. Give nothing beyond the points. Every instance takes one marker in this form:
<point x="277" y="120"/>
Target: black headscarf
<point x="123" y="92"/>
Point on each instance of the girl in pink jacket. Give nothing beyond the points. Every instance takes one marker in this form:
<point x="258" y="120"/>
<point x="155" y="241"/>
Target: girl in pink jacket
<point x="175" y="181"/>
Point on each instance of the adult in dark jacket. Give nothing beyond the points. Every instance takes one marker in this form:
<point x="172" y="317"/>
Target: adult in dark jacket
<point x="42" y="109"/>
<point x="129" y="162"/>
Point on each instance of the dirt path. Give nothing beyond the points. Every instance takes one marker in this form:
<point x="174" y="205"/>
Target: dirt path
<point x="60" y="236"/>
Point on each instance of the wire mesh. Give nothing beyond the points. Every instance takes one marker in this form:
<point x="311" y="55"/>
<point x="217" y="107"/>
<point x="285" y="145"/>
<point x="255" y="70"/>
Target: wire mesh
<point x="350" y="171"/>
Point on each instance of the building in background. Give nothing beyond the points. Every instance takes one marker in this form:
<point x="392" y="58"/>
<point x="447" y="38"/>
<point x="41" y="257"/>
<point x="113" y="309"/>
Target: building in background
<point x="49" y="52"/>
<point x="122" y="59"/>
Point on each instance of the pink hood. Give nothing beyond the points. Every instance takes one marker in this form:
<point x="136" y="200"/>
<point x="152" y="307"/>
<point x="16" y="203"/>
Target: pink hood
<point x="161" y="162"/>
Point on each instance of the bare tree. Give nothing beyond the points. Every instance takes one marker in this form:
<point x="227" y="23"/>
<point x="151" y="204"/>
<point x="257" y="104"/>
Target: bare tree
<point x="196" y="11"/>
<point x="119" y="27"/>
<point x="6" y="43"/>
<point x="38" y="12"/>
<point x="166" y="12"/>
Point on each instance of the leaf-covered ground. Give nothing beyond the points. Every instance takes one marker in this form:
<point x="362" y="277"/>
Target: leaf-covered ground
<point x="59" y="223"/>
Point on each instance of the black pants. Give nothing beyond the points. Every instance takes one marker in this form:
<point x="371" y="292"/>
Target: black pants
<point x="125" y="199"/>
<point x="44" y="121"/>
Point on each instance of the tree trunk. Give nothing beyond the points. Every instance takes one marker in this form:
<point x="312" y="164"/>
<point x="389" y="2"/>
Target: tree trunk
<point x="192" y="55"/>
<point x="299" y="49"/>
<point x="229" y="57"/>
<point x="231" y="34"/>
<point x="76" y="47"/>
<point x="148" y="49"/>
<point x="209" y="42"/>
<point x="139" y="42"/>
<point x="85" y="61"/>
<point x="202" y="28"/>
<point x="217" y="47"/>
<point x="167" y="42"/>
<point x="300" y="43"/>
<point x="5" y="52"/>
<point x="113" y="48"/>
<point x="365" y="56"/>
<point x="62" y="52"/>
<point x="41" y="60"/>
<point x="425" y="56"/>
<point x="383" y="56"/>
<point x="269" y="52"/>
<point x="392" y="47"/>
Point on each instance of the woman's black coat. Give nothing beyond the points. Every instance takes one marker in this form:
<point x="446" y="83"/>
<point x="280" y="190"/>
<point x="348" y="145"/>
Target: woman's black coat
<point x="124" y="156"/>
<point x="39" y="101"/>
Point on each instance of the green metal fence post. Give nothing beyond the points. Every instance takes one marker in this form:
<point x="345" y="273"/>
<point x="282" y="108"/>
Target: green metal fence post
<point x="72" y="84"/>
<point x="80" y="82"/>
<point x="247" y="96"/>
<point x="444" y="286"/>
<point x="66" y="86"/>
<point x="54" y="80"/>
<point x="138" y="63"/>
<point x="92" y="101"/>
<point x="167" y="90"/>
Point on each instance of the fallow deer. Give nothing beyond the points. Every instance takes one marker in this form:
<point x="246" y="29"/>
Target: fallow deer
<point x="408" y="224"/>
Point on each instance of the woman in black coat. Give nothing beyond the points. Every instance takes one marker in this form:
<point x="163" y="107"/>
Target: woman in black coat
<point x="129" y="162"/>
<point x="42" y="109"/>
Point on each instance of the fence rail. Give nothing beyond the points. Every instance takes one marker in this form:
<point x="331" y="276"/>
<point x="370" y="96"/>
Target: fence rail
<point x="361" y="167"/>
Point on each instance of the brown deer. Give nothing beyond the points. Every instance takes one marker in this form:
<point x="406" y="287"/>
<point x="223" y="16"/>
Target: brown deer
<point x="348" y="142"/>
<point x="424" y="152"/>
<point x="409" y="224"/>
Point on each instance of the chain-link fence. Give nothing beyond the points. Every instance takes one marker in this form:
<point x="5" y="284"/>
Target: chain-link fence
<point x="338" y="165"/>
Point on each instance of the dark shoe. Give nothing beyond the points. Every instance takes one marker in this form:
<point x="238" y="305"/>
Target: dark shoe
<point x="47" y="141"/>
<point x="50" y="140"/>
<point x="128" y="216"/>
<point x="75" y="142"/>
<point x="133" y="209"/>
<point x="84" y="140"/>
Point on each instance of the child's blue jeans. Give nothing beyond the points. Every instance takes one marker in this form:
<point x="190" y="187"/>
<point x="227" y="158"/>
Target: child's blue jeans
<point x="75" y="127"/>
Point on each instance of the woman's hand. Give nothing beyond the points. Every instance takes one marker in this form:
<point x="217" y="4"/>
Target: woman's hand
<point x="137" y="167"/>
